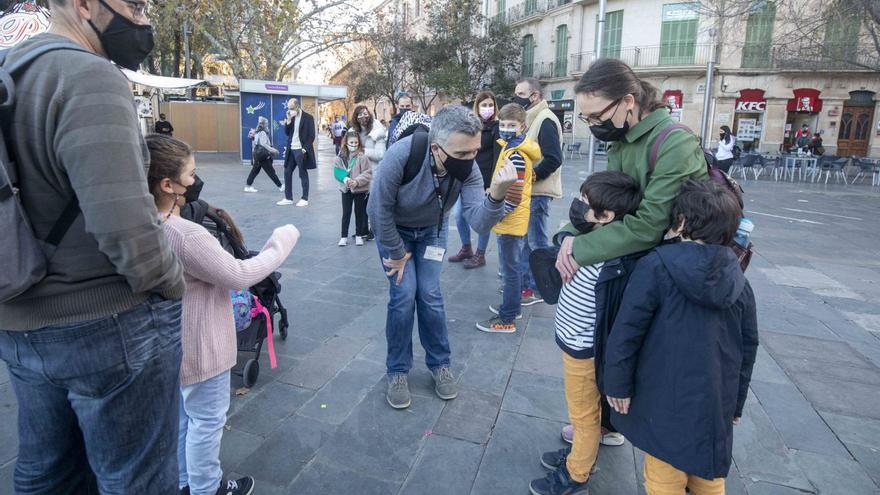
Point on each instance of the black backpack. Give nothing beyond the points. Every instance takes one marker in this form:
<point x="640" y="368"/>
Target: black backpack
<point x="25" y="256"/>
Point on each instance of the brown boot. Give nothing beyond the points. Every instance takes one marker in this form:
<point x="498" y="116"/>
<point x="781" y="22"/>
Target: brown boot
<point x="463" y="254"/>
<point x="476" y="261"/>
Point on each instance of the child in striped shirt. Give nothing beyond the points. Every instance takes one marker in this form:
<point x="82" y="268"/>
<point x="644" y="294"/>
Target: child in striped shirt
<point x="523" y="152"/>
<point x="605" y="197"/>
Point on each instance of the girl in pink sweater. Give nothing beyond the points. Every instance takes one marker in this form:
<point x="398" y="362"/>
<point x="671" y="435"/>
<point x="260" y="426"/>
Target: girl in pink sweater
<point x="208" y="329"/>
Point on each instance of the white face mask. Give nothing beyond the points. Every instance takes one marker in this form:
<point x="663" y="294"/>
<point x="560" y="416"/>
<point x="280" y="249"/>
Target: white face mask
<point x="352" y="147"/>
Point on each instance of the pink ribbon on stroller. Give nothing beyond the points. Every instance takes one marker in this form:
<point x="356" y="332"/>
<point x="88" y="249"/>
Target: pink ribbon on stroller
<point x="260" y="309"/>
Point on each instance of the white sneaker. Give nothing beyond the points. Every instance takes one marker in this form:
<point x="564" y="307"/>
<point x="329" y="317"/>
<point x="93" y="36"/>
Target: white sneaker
<point x="284" y="202"/>
<point x="343" y="242"/>
<point x="302" y="203"/>
<point x="612" y="439"/>
<point x="358" y="240"/>
<point x="281" y="189"/>
<point x="250" y="189"/>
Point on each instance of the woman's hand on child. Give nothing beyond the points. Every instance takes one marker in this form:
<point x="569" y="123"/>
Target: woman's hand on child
<point x="736" y="420"/>
<point x="565" y="261"/>
<point x="619" y="405"/>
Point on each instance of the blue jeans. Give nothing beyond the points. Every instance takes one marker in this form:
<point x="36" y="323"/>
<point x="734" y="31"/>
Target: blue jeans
<point x="538" y="236"/>
<point x="97" y="403"/>
<point x="464" y="230"/>
<point x="418" y="292"/>
<point x="510" y="248"/>
<point x="203" y="408"/>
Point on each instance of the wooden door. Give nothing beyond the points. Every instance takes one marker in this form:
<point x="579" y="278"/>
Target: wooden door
<point x="855" y="128"/>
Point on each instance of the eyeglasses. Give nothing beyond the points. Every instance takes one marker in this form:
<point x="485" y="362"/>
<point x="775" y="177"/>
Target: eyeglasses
<point x="138" y="8"/>
<point x="596" y="118"/>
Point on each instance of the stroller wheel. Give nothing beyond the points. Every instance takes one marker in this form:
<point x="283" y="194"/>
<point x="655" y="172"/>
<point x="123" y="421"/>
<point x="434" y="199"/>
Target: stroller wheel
<point x="250" y="373"/>
<point x="282" y="329"/>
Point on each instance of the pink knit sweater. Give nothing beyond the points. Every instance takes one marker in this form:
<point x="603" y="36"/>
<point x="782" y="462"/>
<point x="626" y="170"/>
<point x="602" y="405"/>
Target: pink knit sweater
<point x="208" y="335"/>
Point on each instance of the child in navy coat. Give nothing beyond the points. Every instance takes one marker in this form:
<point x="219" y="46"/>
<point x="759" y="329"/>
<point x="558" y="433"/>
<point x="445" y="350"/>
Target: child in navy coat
<point x="680" y="355"/>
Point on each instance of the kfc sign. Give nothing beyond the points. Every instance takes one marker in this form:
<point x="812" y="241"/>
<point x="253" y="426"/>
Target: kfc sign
<point x="751" y="106"/>
<point x="751" y="100"/>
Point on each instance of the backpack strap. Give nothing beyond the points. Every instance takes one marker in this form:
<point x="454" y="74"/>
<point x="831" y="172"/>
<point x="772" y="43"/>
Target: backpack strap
<point x="658" y="141"/>
<point x="7" y="100"/>
<point x="417" y="149"/>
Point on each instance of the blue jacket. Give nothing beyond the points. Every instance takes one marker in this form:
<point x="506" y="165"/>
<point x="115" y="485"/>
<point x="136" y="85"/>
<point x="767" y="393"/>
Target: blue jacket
<point x="682" y="347"/>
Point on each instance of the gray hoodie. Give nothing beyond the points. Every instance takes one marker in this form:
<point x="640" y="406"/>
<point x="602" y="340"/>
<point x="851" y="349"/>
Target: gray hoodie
<point x="415" y="205"/>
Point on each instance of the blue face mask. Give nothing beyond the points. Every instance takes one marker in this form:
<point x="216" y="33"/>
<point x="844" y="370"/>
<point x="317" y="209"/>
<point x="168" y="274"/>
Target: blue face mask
<point x="506" y="135"/>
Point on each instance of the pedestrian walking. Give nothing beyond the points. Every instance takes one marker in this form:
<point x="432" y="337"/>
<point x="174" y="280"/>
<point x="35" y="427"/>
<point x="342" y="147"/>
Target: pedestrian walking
<point x="543" y="127"/>
<point x="337" y="132"/>
<point x="404" y="104"/>
<point x="354" y="172"/>
<point x="486" y="107"/>
<point x="300" y="153"/>
<point x="208" y="335"/>
<point x="726" y="144"/>
<point x="92" y="347"/>
<point x="262" y="157"/>
<point x="412" y="192"/>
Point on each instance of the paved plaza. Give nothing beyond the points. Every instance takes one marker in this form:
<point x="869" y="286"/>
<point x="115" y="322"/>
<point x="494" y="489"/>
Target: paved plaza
<point x="319" y="423"/>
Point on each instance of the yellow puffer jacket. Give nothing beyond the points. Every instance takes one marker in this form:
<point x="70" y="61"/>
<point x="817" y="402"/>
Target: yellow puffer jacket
<point x="517" y="221"/>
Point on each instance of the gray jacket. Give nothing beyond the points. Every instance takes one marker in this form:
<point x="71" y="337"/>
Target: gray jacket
<point x="415" y="205"/>
<point x="76" y="130"/>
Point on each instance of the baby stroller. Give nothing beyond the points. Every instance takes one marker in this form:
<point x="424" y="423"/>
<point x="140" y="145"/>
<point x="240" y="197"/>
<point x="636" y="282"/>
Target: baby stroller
<point x="266" y="291"/>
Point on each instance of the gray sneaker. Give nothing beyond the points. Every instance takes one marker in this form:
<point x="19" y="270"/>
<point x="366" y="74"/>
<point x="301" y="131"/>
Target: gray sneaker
<point x="444" y="383"/>
<point x="398" y="391"/>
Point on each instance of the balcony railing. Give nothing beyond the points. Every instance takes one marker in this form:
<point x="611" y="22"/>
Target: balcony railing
<point x="529" y="8"/>
<point x="548" y="70"/>
<point x="679" y="55"/>
<point x="827" y="57"/>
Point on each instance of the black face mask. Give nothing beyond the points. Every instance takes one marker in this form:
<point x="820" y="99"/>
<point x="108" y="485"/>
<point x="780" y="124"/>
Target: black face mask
<point x="608" y="132"/>
<point x="456" y="167"/>
<point x="192" y="192"/>
<point x="519" y="100"/>
<point x="577" y="214"/>
<point x="125" y="42"/>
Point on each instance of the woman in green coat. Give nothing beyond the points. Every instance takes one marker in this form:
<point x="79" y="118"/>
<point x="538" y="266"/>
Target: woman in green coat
<point x="624" y="111"/>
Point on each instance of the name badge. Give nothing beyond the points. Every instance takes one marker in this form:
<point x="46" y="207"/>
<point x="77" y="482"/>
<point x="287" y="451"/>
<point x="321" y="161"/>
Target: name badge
<point x="434" y="253"/>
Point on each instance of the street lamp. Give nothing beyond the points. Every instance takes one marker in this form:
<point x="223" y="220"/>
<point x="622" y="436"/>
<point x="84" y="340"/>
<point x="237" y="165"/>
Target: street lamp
<point x="597" y="52"/>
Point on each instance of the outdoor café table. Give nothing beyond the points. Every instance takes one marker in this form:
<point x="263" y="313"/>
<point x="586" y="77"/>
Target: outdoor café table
<point x="808" y="165"/>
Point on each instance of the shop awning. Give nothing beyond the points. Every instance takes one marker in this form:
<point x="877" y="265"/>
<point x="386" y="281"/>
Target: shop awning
<point x="751" y="100"/>
<point x="160" y="82"/>
<point x="805" y="100"/>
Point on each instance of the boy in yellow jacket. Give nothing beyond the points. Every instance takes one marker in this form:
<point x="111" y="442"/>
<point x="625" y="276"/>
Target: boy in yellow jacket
<point x="523" y="152"/>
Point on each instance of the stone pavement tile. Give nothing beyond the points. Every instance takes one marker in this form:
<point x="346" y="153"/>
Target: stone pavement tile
<point x="375" y="284"/>
<point x="8" y="423"/>
<point x="760" y="453"/>
<point x="265" y="410"/>
<point x="799" y="425"/>
<point x="285" y="451"/>
<point x="766" y="488"/>
<point x="296" y="345"/>
<point x="869" y="374"/>
<point x="513" y="456"/>
<point x="767" y="370"/>
<point x="445" y="466"/>
<point x="784" y="347"/>
<point x="833" y="474"/>
<point x="319" y="319"/>
<point x="843" y="397"/>
<point x="236" y="446"/>
<point x="322" y="364"/>
<point x="616" y="471"/>
<point x="380" y="441"/>
<point x="780" y="321"/>
<point x="861" y="436"/>
<point x="808" y="278"/>
<point x="536" y="395"/>
<point x="871" y="351"/>
<point x="376" y="350"/>
<point x="471" y="416"/>
<point x="327" y="477"/>
<point x="335" y="401"/>
<point x="858" y="278"/>
<point x="539" y="352"/>
<point x="369" y="322"/>
<point x="489" y="369"/>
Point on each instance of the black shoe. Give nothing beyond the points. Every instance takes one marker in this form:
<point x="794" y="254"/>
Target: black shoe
<point x="370" y="236"/>
<point x="241" y="486"/>
<point x="184" y="490"/>
<point x="552" y="460"/>
<point x="558" y="483"/>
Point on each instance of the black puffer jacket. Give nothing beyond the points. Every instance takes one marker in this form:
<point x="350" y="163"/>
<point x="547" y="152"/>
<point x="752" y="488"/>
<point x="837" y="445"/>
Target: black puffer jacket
<point x="682" y="347"/>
